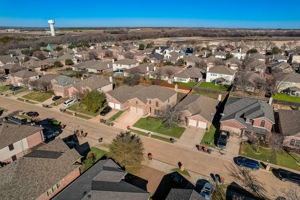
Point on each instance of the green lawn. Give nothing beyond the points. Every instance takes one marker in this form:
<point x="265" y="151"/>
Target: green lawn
<point x="38" y="96"/>
<point x="156" y="125"/>
<point x="209" y="136"/>
<point x="139" y="132"/>
<point x="4" y="88"/>
<point x="211" y="95"/>
<point x="115" y="116"/>
<point x="212" y="86"/>
<point x="285" y="97"/>
<point x="81" y="108"/>
<point x="20" y="90"/>
<point x="152" y="136"/>
<point x="189" y="84"/>
<point x="271" y="156"/>
<point x="88" y="162"/>
<point x="59" y="101"/>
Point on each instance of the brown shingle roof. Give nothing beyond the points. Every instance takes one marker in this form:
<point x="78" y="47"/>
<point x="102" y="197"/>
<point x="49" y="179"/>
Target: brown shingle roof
<point x="288" y="122"/>
<point x="93" y="82"/>
<point x="221" y="69"/>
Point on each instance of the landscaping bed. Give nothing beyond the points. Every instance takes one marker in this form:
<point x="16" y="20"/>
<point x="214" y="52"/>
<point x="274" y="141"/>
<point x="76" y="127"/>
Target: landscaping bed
<point x="212" y="86"/>
<point x="285" y="97"/>
<point x="19" y="91"/>
<point x="38" y="96"/>
<point x="156" y="125"/>
<point x="281" y="158"/>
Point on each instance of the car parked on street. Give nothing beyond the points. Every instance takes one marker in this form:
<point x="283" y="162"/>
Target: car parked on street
<point x="246" y="162"/>
<point x="55" y="98"/>
<point x="32" y="114"/>
<point x="69" y="102"/>
<point x="285" y="175"/>
<point x="222" y="139"/>
<point x="15" y="88"/>
<point x="105" y="110"/>
<point x="207" y="190"/>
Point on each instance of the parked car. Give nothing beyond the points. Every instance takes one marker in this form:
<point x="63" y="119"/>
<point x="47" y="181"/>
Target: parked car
<point x="222" y="140"/>
<point x="285" y="175"/>
<point x="15" y="88"/>
<point x="32" y="114"/>
<point x="206" y="191"/>
<point x="105" y="110"/>
<point x="69" y="102"/>
<point x="246" y="162"/>
<point x="55" y="98"/>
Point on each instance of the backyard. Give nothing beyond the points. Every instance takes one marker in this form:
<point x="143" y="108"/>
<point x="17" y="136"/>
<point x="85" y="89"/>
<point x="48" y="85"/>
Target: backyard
<point x="285" y="97"/>
<point x="156" y="125"/>
<point x="212" y="86"/>
<point x="189" y="84"/>
<point x="281" y="158"/>
<point x="209" y="137"/>
<point x="38" y="96"/>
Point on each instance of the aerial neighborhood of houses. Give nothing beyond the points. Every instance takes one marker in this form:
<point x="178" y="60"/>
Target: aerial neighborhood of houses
<point x="197" y="107"/>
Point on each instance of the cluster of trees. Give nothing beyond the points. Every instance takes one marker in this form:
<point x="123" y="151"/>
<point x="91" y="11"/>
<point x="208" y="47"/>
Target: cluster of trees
<point x="93" y="101"/>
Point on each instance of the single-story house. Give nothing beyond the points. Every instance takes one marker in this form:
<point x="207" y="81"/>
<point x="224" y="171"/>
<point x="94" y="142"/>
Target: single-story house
<point x="94" y="66"/>
<point x="282" y="67"/>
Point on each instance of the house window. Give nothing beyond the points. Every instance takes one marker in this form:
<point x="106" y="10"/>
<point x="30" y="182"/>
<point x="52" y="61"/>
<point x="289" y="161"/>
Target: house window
<point x="292" y="142"/>
<point x="11" y="147"/>
<point x="262" y="123"/>
<point x="156" y="112"/>
<point x="251" y="121"/>
<point x="297" y="144"/>
<point x="150" y="110"/>
<point x="14" y="158"/>
<point x="157" y="104"/>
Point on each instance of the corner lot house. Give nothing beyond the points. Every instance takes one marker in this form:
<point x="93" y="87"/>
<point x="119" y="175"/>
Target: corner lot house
<point x="197" y="110"/>
<point x="142" y="100"/>
<point x="125" y="64"/>
<point x="61" y="84"/>
<point x="220" y="74"/>
<point x="289" y="127"/>
<point x="17" y="140"/>
<point x="40" y="174"/>
<point x="104" y="181"/>
<point x="245" y="115"/>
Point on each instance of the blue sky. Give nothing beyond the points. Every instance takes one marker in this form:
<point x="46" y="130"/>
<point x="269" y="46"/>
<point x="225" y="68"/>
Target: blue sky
<point x="183" y="13"/>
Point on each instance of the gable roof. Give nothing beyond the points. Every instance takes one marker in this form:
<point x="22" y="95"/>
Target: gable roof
<point x="221" y="69"/>
<point x="24" y="74"/>
<point x="126" y="62"/>
<point x="189" y="72"/>
<point x="183" y="194"/>
<point x="288" y="123"/>
<point x="199" y="105"/>
<point x="93" y="82"/>
<point x="65" y="80"/>
<point x="95" y="64"/>
<point x="290" y="77"/>
<point x="11" y="133"/>
<point x="31" y="176"/>
<point x="104" y="180"/>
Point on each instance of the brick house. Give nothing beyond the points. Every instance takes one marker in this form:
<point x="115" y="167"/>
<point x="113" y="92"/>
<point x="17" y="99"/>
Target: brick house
<point x="99" y="83"/>
<point x="40" y="174"/>
<point x="197" y="110"/>
<point x="18" y="140"/>
<point x="61" y="84"/>
<point x="22" y="78"/>
<point x="289" y="127"/>
<point x="142" y="100"/>
<point x="245" y="115"/>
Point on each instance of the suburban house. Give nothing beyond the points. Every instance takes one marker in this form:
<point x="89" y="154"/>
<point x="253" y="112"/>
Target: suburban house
<point x="289" y="127"/>
<point x="165" y="73"/>
<point x="40" y="174"/>
<point x="17" y="140"/>
<point x="124" y="64"/>
<point x="289" y="84"/>
<point x="143" y="100"/>
<point x="190" y="74"/>
<point x="191" y="60"/>
<point x="99" y="83"/>
<point x="233" y="63"/>
<point x="281" y="67"/>
<point x="250" y="81"/>
<point x="280" y="58"/>
<point x="238" y="53"/>
<point x="8" y="59"/>
<point x="94" y="66"/>
<point x="103" y="181"/>
<point x="197" y="110"/>
<point x="144" y="69"/>
<point x="220" y="74"/>
<point x="245" y="115"/>
<point x="256" y="66"/>
<point x="220" y="55"/>
<point x="61" y="85"/>
<point x="22" y="78"/>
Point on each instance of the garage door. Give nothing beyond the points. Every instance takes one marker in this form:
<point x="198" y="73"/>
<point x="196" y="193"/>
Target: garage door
<point x="137" y="110"/>
<point x="192" y="123"/>
<point x="202" y="125"/>
<point x="114" y="105"/>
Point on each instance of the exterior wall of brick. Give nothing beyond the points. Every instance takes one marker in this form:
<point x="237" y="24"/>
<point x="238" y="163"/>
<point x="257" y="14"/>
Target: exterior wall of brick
<point x="231" y="126"/>
<point x="20" y="146"/>
<point x="257" y="123"/>
<point x="35" y="139"/>
<point x="63" y="183"/>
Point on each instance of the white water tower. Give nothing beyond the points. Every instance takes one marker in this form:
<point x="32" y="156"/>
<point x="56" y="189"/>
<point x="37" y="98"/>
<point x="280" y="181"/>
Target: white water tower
<point x="51" y="23"/>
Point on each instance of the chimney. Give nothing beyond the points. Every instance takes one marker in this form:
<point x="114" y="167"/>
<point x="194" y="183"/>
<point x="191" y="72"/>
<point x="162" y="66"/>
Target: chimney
<point x="271" y="100"/>
<point x="220" y="97"/>
<point x="110" y="79"/>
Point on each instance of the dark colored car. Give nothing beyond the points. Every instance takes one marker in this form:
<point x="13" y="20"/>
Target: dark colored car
<point x="106" y="110"/>
<point x="32" y="114"/>
<point x="55" y="98"/>
<point x="246" y="162"/>
<point x="222" y="140"/>
<point x="15" y="88"/>
<point x="285" y="175"/>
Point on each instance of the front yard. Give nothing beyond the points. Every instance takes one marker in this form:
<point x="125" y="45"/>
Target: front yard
<point x="212" y="86"/>
<point x="4" y="88"/>
<point x="285" y="97"/>
<point x="157" y="126"/>
<point x="209" y="137"/>
<point x="116" y="116"/>
<point x="38" y="96"/>
<point x="77" y="107"/>
<point x="88" y="162"/>
<point x="269" y="155"/>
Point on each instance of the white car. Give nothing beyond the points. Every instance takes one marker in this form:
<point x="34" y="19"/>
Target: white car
<point x="69" y="102"/>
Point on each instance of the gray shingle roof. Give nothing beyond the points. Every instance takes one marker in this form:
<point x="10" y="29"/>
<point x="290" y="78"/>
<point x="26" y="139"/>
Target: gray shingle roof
<point x="221" y="69"/>
<point x="288" y="123"/>
<point x="93" y="82"/>
<point x="24" y="74"/>
<point x="192" y="72"/>
<point x="65" y="80"/>
<point x="95" y="64"/>
<point x="127" y="62"/>
<point x="183" y="194"/>
<point x="290" y="77"/>
<point x="31" y="176"/>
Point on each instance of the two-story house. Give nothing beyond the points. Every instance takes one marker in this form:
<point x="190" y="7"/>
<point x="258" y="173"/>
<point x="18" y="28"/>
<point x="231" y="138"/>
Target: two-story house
<point x="190" y="74"/>
<point x="124" y="64"/>
<point x="61" y="85"/>
<point x="220" y="74"/>
<point x="143" y="100"/>
<point x="289" y="83"/>
<point x="22" y="78"/>
<point x="17" y="140"/>
<point x="245" y="115"/>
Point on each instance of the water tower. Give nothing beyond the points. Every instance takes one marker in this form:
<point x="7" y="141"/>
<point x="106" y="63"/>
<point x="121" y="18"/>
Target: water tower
<point x="51" y="23"/>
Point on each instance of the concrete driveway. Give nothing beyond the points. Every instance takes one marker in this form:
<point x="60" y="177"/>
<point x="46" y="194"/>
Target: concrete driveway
<point x="127" y="119"/>
<point x="191" y="136"/>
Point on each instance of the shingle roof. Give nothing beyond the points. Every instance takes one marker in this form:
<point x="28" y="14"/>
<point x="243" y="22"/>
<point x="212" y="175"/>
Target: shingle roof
<point x="290" y="77"/>
<point x="95" y="64"/>
<point x="288" y="123"/>
<point x="31" y="176"/>
<point x="221" y="69"/>
<point x="125" y="93"/>
<point x="24" y="74"/>
<point x="93" y="82"/>
<point x="11" y="133"/>
<point x="65" y="80"/>
<point x="192" y="72"/>
<point x="127" y="62"/>
<point x="183" y="194"/>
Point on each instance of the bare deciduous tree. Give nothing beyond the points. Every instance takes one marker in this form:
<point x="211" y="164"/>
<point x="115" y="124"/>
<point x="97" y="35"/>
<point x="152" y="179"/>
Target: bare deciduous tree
<point x="170" y="117"/>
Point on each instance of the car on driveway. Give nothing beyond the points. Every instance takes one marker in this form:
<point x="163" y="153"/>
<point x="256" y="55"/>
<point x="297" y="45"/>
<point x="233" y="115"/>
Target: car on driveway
<point x="32" y="114"/>
<point x="55" y="98"/>
<point x="285" y="175"/>
<point x="105" y="110"/>
<point x="69" y="102"/>
<point x="246" y="162"/>
<point x="207" y="190"/>
<point x="222" y="139"/>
